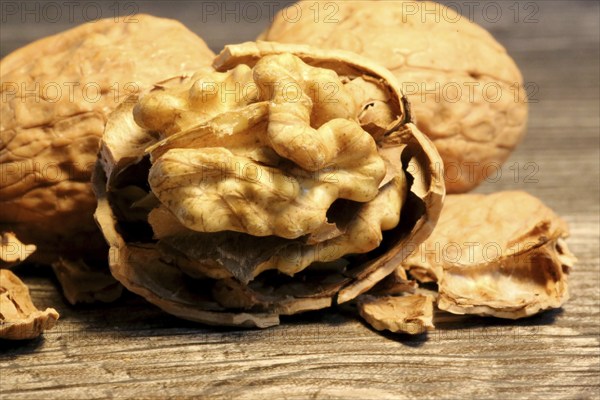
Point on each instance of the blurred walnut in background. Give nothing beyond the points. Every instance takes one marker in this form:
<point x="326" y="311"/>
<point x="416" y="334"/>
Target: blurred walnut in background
<point x="56" y="95"/>
<point x="465" y="91"/>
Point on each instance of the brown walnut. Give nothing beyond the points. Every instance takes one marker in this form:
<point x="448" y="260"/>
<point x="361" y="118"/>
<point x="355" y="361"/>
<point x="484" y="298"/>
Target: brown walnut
<point x="275" y="184"/>
<point x="466" y="92"/>
<point x="56" y="95"/>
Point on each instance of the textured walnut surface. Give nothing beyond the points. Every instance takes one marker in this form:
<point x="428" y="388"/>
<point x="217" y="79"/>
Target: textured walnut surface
<point x="465" y="90"/>
<point x="56" y="95"/>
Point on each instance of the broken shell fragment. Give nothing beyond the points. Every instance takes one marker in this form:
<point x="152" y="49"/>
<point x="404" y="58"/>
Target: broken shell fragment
<point x="258" y="189"/>
<point x="12" y="251"/>
<point x="412" y="314"/>
<point x="501" y="254"/>
<point x="19" y="319"/>
<point x="82" y="283"/>
<point x="396" y="283"/>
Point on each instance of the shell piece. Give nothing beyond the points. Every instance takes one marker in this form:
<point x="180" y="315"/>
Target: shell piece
<point x="56" y="95"/>
<point x="12" y="251"/>
<point x="466" y="91"/>
<point x="82" y="283"/>
<point x="194" y="235"/>
<point x="396" y="283"/>
<point x="501" y="254"/>
<point x="412" y="314"/>
<point x="19" y="319"/>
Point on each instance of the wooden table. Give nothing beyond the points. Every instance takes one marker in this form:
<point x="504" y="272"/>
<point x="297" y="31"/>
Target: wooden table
<point x="132" y="349"/>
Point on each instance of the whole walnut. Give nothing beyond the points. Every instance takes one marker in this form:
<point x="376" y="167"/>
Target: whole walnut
<point x="465" y="90"/>
<point x="56" y="95"/>
<point x="285" y="180"/>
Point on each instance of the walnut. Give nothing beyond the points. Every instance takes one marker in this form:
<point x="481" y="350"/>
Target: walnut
<point x="467" y="93"/>
<point x="56" y="95"/>
<point x="501" y="254"/>
<point x="19" y="319"/>
<point x="266" y="186"/>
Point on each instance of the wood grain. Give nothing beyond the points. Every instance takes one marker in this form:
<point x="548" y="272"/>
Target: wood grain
<point x="132" y="349"/>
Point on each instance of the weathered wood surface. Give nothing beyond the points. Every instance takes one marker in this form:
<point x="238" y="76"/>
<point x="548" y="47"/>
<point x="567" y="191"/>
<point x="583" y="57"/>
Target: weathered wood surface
<point x="132" y="349"/>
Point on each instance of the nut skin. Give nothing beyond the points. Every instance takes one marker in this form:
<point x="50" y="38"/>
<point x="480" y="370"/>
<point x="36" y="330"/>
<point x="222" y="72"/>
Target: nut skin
<point x="56" y="95"/>
<point x="466" y="92"/>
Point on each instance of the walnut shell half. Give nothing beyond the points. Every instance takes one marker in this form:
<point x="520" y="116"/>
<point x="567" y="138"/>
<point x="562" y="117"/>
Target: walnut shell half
<point x="466" y="91"/>
<point x="285" y="180"/>
<point x="501" y="254"/>
<point x="56" y="95"/>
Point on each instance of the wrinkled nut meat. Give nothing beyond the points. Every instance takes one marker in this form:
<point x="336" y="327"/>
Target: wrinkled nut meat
<point x="274" y="185"/>
<point x="501" y="254"/>
<point x="19" y="319"/>
<point x="466" y="92"/>
<point x="56" y="95"/>
<point x="411" y="314"/>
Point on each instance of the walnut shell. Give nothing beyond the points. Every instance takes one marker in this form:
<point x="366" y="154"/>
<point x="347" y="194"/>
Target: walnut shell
<point x="341" y="185"/>
<point x="56" y="95"/>
<point x="465" y="90"/>
<point x="411" y="314"/>
<point x="82" y="283"/>
<point x="501" y="254"/>
<point x="12" y="251"/>
<point x="19" y="319"/>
